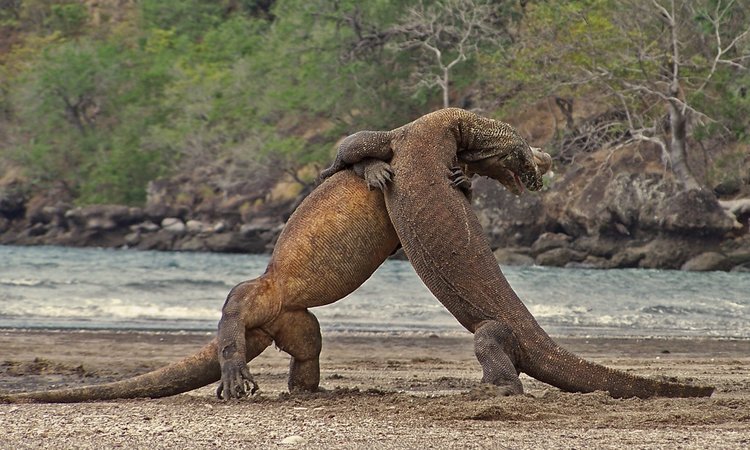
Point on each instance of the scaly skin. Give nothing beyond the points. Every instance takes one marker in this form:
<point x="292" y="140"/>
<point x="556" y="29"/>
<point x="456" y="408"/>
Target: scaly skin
<point x="455" y="261"/>
<point x="332" y="243"/>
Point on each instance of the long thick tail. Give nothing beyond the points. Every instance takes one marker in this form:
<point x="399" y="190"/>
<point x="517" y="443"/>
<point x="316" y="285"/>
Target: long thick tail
<point x="193" y="372"/>
<point x="548" y="362"/>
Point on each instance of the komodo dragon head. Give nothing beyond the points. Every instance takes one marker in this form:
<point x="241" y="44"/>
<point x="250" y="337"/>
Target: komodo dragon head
<point x="509" y="175"/>
<point x="497" y="150"/>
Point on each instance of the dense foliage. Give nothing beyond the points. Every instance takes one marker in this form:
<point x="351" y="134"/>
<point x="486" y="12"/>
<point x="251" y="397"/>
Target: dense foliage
<point x="104" y="98"/>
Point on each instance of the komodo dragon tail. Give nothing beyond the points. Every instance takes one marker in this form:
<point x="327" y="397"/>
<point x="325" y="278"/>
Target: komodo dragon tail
<point x="198" y="370"/>
<point x="548" y="362"/>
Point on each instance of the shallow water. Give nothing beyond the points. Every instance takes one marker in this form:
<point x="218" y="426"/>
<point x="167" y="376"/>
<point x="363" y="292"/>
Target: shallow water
<point x="57" y="287"/>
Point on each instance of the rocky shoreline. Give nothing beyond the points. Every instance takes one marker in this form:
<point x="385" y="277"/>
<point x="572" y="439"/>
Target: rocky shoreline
<point x="611" y="210"/>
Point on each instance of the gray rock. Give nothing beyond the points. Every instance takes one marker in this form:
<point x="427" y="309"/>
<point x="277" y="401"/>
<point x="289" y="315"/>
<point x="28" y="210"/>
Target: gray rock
<point x="697" y="212"/>
<point x="192" y="243"/>
<point x="145" y="227"/>
<point x="559" y="257"/>
<point x="258" y="226"/>
<point x="627" y="258"/>
<point x="173" y="225"/>
<point x="507" y="219"/>
<point x="233" y="242"/>
<point x="591" y="262"/>
<point x="506" y="257"/>
<point x="132" y="239"/>
<point x="672" y="251"/>
<point x="160" y="240"/>
<point x="708" y="261"/>
<point x="741" y="268"/>
<point x="195" y="226"/>
<point x="103" y="217"/>
<point x="549" y="241"/>
<point x="603" y="246"/>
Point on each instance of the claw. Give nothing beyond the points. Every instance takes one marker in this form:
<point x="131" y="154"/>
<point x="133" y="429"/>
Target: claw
<point x="236" y="382"/>
<point x="388" y="173"/>
<point x="459" y="180"/>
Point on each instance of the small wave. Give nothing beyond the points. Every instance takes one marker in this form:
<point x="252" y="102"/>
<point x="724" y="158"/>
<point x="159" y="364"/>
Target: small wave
<point x="159" y="312"/>
<point x="27" y="282"/>
<point x="665" y="309"/>
<point x="32" y="282"/>
<point x="113" y="309"/>
<point x="547" y="310"/>
<point x="182" y="282"/>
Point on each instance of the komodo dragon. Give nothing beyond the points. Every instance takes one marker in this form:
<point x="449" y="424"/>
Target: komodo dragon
<point x="454" y="258"/>
<point x="332" y="243"/>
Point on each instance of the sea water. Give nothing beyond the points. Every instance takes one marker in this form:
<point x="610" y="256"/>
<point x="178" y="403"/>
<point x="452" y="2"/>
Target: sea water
<point x="70" y="288"/>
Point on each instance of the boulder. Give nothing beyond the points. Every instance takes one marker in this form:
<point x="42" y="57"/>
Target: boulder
<point x="173" y="225"/>
<point x="559" y="257"/>
<point x="192" y="243"/>
<point x="508" y="220"/>
<point x="708" y="261"/>
<point x="672" y="251"/>
<point x="549" y="241"/>
<point x="697" y="212"/>
<point x="234" y="242"/>
<point x="103" y="217"/>
<point x="145" y="227"/>
<point x="628" y="194"/>
<point x="160" y="240"/>
<point x="506" y="257"/>
<point x="195" y="226"/>
<point x="591" y="262"/>
<point x="601" y="246"/>
<point x="627" y="258"/>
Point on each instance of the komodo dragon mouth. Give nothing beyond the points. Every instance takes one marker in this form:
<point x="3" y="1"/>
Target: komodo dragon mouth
<point x="494" y="167"/>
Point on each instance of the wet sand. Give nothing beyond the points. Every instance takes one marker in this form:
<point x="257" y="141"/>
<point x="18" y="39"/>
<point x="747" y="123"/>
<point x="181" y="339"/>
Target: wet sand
<point x="383" y="392"/>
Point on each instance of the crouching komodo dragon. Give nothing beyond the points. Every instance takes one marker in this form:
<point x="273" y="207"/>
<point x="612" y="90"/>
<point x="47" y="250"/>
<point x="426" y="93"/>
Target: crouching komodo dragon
<point x="449" y="251"/>
<point x="332" y="243"/>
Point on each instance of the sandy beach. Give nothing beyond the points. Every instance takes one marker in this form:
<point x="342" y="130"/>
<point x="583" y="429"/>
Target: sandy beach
<point x="383" y="391"/>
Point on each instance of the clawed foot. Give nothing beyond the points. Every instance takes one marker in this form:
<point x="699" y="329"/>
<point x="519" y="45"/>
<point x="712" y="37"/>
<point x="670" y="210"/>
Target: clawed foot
<point x="378" y="174"/>
<point x="236" y="381"/>
<point x="460" y="181"/>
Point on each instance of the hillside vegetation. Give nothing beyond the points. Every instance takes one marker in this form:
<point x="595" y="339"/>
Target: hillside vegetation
<point x="98" y="98"/>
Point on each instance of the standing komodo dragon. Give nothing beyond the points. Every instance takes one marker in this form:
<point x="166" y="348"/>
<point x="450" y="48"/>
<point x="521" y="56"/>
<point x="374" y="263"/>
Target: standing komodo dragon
<point x="343" y="220"/>
<point x="332" y="243"/>
<point x="449" y="251"/>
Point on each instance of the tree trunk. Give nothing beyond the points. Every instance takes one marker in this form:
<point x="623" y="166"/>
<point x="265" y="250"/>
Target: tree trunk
<point x="678" y="148"/>
<point x="445" y="88"/>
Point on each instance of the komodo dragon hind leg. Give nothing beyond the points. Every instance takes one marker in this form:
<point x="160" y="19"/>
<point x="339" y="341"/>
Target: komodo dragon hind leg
<point x="357" y="147"/>
<point x="375" y="172"/>
<point x="298" y="334"/>
<point x="495" y="347"/>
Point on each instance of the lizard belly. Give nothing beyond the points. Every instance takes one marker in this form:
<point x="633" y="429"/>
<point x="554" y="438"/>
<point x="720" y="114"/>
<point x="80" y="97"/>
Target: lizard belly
<point x="332" y="243"/>
<point x="447" y="246"/>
